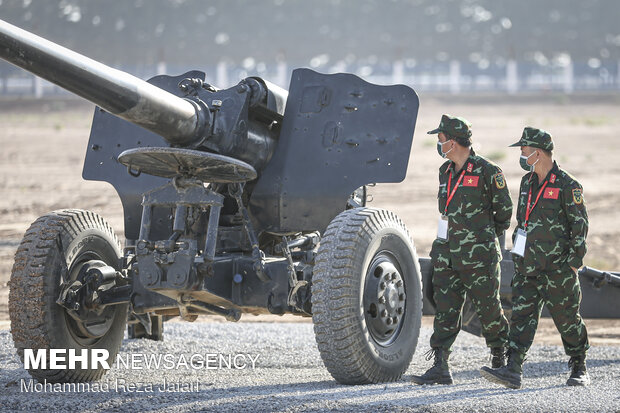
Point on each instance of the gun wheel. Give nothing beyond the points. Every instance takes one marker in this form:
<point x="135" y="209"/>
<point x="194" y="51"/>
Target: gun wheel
<point x="53" y="250"/>
<point x="366" y="297"/>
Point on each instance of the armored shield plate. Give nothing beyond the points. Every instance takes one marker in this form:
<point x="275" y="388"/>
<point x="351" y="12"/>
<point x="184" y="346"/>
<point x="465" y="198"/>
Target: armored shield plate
<point x="109" y="137"/>
<point x="339" y="133"/>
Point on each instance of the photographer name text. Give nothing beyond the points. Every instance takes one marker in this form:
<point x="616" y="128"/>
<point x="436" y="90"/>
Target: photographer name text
<point x="111" y="386"/>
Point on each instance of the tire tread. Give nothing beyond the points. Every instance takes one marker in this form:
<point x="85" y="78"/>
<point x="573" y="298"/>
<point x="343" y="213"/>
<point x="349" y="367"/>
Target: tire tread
<point x="338" y="336"/>
<point x="28" y="286"/>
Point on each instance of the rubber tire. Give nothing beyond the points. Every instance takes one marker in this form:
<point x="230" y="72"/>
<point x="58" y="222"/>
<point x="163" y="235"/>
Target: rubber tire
<point x="348" y="350"/>
<point x="37" y="322"/>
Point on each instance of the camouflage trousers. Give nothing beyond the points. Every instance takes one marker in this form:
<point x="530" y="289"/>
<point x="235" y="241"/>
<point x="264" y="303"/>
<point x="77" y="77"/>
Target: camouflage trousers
<point x="560" y="291"/>
<point x="449" y="289"/>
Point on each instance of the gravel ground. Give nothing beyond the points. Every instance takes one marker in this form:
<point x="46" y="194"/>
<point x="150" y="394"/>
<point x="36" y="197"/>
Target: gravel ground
<point x="289" y="376"/>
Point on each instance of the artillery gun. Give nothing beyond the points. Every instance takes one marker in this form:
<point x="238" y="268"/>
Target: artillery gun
<point x="249" y="199"/>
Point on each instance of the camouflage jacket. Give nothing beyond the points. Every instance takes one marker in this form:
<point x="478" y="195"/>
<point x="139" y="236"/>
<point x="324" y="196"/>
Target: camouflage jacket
<point x="557" y="226"/>
<point x="479" y="211"/>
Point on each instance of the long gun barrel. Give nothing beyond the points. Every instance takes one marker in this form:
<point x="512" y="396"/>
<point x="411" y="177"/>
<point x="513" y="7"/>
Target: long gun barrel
<point x="600" y="278"/>
<point x="178" y="120"/>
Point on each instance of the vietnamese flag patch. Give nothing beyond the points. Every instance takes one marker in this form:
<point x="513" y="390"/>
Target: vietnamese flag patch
<point x="470" y="180"/>
<point x="551" y="193"/>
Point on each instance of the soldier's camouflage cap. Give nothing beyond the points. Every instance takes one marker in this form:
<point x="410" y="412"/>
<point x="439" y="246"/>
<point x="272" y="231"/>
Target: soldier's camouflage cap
<point x="536" y="138"/>
<point x="453" y="126"/>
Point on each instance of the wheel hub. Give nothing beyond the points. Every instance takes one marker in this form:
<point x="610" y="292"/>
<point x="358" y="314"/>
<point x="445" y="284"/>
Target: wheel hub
<point x="87" y="320"/>
<point x="384" y="298"/>
<point x="391" y="301"/>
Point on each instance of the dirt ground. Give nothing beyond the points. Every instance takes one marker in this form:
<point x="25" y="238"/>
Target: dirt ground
<point x="42" y="145"/>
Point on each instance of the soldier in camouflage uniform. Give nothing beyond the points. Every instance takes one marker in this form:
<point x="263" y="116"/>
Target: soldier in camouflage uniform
<point x="476" y="207"/>
<point x="552" y="223"/>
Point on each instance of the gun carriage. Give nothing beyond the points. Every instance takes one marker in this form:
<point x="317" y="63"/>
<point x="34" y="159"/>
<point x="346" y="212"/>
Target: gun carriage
<point x="250" y="199"/>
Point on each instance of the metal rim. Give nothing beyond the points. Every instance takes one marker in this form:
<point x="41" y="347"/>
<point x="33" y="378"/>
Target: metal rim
<point x="384" y="299"/>
<point x="87" y="327"/>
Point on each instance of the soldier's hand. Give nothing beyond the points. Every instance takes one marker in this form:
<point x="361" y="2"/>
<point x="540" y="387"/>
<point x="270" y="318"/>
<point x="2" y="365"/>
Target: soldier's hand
<point x="574" y="269"/>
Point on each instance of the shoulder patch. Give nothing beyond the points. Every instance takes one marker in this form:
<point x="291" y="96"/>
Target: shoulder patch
<point x="500" y="181"/>
<point x="577" y="196"/>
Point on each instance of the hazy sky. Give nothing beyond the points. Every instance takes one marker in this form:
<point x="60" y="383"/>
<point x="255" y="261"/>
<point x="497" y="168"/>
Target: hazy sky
<point x="322" y="33"/>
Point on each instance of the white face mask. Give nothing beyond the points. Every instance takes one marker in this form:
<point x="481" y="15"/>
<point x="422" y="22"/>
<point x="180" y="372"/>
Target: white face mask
<point x="526" y="166"/>
<point x="440" y="149"/>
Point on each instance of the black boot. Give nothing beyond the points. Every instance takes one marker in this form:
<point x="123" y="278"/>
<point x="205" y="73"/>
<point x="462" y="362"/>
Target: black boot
<point x="439" y="373"/>
<point x="498" y="357"/>
<point x="579" y="374"/>
<point x="509" y="375"/>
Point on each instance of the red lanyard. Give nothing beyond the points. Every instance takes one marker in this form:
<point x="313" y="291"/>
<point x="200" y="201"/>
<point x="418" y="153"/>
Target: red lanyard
<point x="528" y="209"/>
<point x="451" y="194"/>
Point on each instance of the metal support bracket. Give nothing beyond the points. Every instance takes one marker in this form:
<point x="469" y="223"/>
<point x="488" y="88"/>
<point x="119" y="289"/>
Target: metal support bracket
<point x="235" y="190"/>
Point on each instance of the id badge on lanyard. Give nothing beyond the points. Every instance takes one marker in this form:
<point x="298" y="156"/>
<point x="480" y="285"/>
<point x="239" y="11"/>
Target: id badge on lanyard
<point x="442" y="228"/>
<point x="519" y="244"/>
<point x="521" y="237"/>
